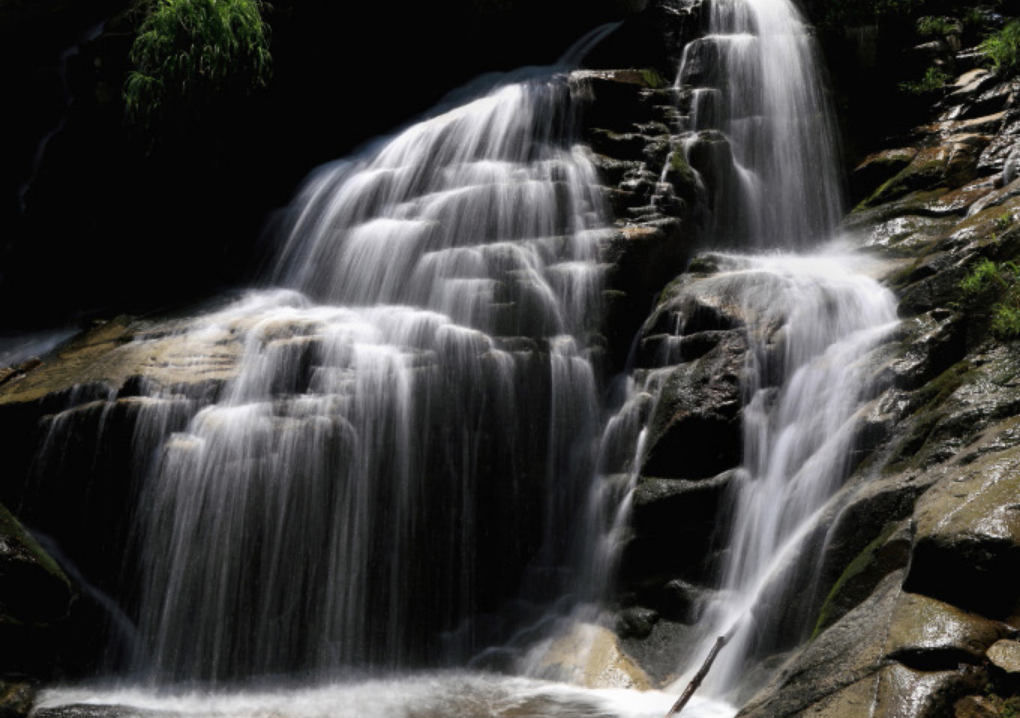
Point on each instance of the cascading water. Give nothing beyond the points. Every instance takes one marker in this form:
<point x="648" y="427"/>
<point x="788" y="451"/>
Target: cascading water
<point x="755" y="78"/>
<point x="806" y="378"/>
<point x="389" y="478"/>
<point x="386" y="461"/>
<point x="812" y="319"/>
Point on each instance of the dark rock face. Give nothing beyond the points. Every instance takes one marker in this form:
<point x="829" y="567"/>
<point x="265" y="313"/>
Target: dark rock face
<point x="35" y="598"/>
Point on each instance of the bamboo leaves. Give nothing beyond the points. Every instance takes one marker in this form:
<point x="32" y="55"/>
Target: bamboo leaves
<point x="191" y="51"/>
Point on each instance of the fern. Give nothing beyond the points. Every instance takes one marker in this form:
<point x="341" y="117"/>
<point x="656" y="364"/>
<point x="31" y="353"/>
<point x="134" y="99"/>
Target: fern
<point x="1002" y="49"/>
<point x="1004" y="279"/>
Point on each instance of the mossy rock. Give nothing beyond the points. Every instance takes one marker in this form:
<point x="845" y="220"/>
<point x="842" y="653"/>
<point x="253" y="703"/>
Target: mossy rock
<point x="926" y="170"/>
<point x="681" y="175"/>
<point x="862" y="575"/>
<point x="880" y="167"/>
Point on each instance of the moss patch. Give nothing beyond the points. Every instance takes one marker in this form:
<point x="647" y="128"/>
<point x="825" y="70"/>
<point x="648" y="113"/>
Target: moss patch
<point x="864" y="560"/>
<point x="653" y="79"/>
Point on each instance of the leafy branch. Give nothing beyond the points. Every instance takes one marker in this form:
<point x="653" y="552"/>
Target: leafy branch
<point x="189" y="52"/>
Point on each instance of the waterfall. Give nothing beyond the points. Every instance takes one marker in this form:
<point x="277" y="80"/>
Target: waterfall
<point x="812" y="318"/>
<point x="391" y="476"/>
<point x="419" y="457"/>
<point x="803" y="385"/>
<point x="754" y="77"/>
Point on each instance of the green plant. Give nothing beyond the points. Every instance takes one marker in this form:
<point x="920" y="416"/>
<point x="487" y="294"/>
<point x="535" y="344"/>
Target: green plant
<point x="933" y="26"/>
<point x="189" y="52"/>
<point x="1003" y="221"/>
<point x="1004" y="279"/>
<point x="1002" y="49"/>
<point x="934" y="80"/>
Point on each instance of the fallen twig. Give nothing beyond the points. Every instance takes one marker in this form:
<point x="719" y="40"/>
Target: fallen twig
<point x="702" y="672"/>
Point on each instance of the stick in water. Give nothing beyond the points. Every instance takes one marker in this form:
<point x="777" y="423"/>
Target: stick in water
<point x="702" y="672"/>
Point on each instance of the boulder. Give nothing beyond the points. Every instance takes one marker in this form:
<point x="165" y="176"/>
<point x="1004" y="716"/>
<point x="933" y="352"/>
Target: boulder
<point x="695" y="432"/>
<point x="636" y="622"/>
<point x="967" y="536"/>
<point x="589" y="655"/>
<point x="16" y="698"/>
<point x="1005" y="655"/>
<point x="678" y="514"/>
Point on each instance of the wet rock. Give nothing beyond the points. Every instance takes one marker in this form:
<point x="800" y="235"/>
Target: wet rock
<point x="680" y="514"/>
<point x="614" y="98"/>
<point x="903" y="692"/>
<point x="589" y="656"/>
<point x="834" y="671"/>
<point x="107" y="357"/>
<point x="880" y="167"/>
<point x="968" y="536"/>
<point x="926" y="170"/>
<point x="636" y="622"/>
<point x="847" y="671"/>
<point x="712" y="157"/>
<point x="641" y="259"/>
<point x="16" y="698"/>
<point x="660" y="652"/>
<point x="933" y="342"/>
<point x="929" y="635"/>
<point x="681" y="600"/>
<point x="889" y="552"/>
<point x="98" y="710"/>
<point x="975" y="707"/>
<point x="627" y="146"/>
<point x="15" y="372"/>
<point x="695" y="429"/>
<point x="938" y="289"/>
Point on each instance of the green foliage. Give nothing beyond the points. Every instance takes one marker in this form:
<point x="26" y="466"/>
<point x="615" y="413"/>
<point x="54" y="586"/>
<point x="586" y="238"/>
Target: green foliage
<point x="934" y="80"/>
<point x="1006" y="321"/>
<point x="191" y="51"/>
<point x="933" y="26"/>
<point x="1003" y="221"/>
<point x="1002" y="278"/>
<point x="1002" y="49"/>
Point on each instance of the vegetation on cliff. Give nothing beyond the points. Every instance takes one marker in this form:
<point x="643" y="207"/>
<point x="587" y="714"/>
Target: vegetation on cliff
<point x="189" y="52"/>
<point x="1002" y="49"/>
<point x="1001" y="279"/>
